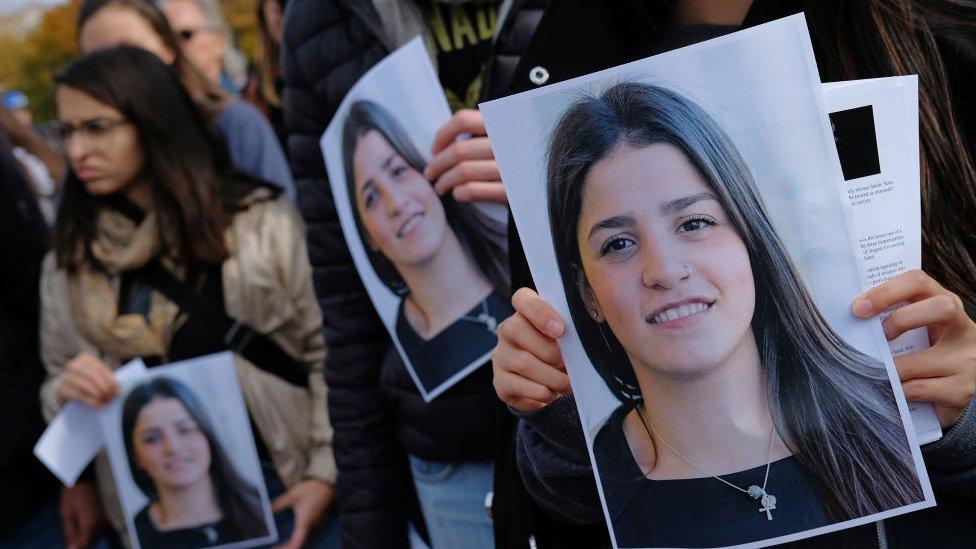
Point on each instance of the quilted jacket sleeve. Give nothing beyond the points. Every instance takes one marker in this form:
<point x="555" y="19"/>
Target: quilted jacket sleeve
<point x="326" y="49"/>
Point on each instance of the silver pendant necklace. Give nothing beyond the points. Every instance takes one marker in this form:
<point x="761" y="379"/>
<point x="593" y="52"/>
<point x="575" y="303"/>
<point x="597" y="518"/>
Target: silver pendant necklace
<point x="210" y="532"/>
<point x="483" y="317"/>
<point x="767" y="501"/>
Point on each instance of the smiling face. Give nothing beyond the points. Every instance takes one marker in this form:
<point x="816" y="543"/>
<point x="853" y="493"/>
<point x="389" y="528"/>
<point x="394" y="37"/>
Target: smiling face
<point x="169" y="445"/>
<point x="663" y="266"/>
<point x="403" y="216"/>
<point x="104" y="149"/>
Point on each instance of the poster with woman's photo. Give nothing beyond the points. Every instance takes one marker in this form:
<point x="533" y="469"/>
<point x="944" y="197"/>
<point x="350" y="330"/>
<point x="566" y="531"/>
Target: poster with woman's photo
<point x="684" y="213"/>
<point x="436" y="269"/>
<point x="184" y="459"/>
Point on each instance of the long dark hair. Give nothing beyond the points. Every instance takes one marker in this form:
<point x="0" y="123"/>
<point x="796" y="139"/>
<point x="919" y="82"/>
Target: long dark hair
<point x="194" y="190"/>
<point x="270" y="66"/>
<point x="875" y="38"/>
<point x="239" y="500"/>
<point x="832" y="405"/>
<point x="481" y="236"/>
<point x="208" y="96"/>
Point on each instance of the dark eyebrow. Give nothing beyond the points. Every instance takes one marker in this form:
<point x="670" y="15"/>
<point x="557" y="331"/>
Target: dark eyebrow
<point x="674" y="206"/>
<point x="615" y="222"/>
<point x="366" y="186"/>
<point x="386" y="163"/>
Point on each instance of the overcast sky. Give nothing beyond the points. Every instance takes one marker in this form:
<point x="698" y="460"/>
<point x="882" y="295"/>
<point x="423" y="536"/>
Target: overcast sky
<point x="7" y="6"/>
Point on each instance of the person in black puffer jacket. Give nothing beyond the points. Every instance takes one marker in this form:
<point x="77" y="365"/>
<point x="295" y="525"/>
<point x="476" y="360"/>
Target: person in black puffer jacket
<point x="377" y="413"/>
<point x="28" y="511"/>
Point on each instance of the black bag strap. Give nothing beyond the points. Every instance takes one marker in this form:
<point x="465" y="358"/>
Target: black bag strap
<point x="259" y="349"/>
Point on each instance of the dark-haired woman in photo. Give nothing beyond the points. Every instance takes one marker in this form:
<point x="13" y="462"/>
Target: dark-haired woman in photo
<point x="850" y="40"/>
<point x="197" y="498"/>
<point x="251" y="141"/>
<point x="446" y="259"/>
<point x="161" y="251"/>
<point x="735" y="391"/>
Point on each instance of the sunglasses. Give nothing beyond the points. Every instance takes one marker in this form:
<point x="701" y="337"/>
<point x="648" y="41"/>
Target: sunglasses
<point x="185" y="35"/>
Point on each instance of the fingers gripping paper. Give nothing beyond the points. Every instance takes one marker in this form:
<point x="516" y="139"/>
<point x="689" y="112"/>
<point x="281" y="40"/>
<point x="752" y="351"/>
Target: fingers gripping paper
<point x="685" y="213"/>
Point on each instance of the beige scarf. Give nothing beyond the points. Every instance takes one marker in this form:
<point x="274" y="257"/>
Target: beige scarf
<point x="121" y="245"/>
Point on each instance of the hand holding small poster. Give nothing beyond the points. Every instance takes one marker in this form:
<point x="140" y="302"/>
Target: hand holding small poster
<point x="436" y="269"/>
<point x="683" y="214"/>
<point x="184" y="458"/>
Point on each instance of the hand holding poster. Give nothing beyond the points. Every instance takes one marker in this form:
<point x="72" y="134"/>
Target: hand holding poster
<point x="435" y="269"/>
<point x="875" y="127"/>
<point x="184" y="459"/>
<point x="683" y="214"/>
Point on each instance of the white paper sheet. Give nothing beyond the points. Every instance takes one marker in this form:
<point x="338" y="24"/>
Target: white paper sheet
<point x="887" y="203"/>
<point x="761" y="86"/>
<point x="403" y="91"/>
<point x="212" y="382"/>
<point x="74" y="437"/>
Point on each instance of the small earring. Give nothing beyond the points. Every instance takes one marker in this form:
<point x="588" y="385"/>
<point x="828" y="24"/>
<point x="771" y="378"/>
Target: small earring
<point x="596" y="315"/>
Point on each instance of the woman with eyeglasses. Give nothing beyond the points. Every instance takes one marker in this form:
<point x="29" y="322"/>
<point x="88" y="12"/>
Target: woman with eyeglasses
<point x="151" y="203"/>
<point x="253" y="147"/>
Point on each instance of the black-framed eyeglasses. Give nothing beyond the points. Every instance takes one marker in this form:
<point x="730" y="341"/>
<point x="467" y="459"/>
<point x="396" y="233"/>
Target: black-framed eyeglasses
<point x="92" y="130"/>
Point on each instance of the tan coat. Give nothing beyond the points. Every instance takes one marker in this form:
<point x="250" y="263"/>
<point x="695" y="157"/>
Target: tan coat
<point x="267" y="283"/>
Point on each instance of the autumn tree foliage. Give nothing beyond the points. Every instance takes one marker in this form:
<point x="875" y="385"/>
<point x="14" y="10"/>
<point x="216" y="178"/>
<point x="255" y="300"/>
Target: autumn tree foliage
<point x="29" y="62"/>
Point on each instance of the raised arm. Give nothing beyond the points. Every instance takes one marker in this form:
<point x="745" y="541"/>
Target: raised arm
<point x="531" y="378"/>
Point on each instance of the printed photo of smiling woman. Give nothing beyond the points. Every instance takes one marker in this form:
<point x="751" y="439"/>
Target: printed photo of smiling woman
<point x="446" y="261"/>
<point x="197" y="498"/>
<point x="743" y="415"/>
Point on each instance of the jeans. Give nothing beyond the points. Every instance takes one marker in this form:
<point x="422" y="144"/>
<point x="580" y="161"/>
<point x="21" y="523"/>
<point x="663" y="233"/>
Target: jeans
<point x="452" y="498"/>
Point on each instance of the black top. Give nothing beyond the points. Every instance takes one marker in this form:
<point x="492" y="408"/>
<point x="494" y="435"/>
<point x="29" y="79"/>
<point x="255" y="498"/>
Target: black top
<point x="462" y="34"/>
<point x="192" y="337"/>
<point x="25" y="241"/>
<point x="699" y="512"/>
<point x="204" y="535"/>
<point x="466" y="342"/>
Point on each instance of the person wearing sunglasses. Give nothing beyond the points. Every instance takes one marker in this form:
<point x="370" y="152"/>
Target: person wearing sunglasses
<point x="206" y="40"/>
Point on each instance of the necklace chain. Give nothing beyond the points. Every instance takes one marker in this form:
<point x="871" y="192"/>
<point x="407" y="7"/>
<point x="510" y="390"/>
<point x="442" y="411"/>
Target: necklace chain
<point x="642" y="413"/>
<point x="490" y="322"/>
